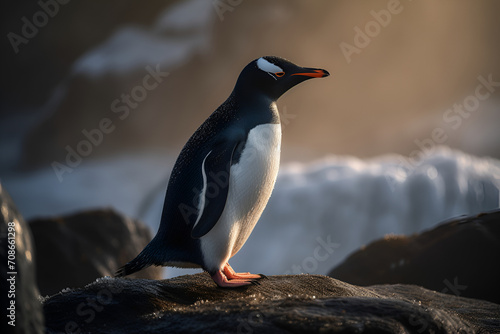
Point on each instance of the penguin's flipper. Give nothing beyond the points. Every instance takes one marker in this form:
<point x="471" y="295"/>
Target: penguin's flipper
<point x="216" y="169"/>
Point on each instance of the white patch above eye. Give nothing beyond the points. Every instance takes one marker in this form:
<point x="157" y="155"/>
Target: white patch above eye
<point x="268" y="67"/>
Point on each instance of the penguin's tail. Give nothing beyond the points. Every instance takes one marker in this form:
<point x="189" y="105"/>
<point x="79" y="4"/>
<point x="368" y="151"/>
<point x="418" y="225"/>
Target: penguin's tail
<point x="143" y="260"/>
<point x="131" y="267"/>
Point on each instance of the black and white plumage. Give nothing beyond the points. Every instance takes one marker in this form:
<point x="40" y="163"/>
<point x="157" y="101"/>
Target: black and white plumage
<point x="224" y="176"/>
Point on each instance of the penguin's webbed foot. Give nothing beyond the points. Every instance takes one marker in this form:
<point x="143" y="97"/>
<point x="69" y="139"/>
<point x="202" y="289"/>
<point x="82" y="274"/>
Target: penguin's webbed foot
<point x="231" y="274"/>
<point x="222" y="281"/>
<point x="228" y="278"/>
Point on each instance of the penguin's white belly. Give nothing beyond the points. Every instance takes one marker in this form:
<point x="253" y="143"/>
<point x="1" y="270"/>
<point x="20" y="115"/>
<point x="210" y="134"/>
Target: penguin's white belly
<point x="251" y="182"/>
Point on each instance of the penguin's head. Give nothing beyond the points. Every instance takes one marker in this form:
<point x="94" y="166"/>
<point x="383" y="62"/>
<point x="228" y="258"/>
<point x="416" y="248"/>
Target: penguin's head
<point x="273" y="76"/>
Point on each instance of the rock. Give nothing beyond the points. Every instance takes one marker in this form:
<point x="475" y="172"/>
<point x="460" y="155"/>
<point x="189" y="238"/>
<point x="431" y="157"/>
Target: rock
<point x="75" y="250"/>
<point x="280" y="304"/>
<point x="18" y="282"/>
<point x="458" y="257"/>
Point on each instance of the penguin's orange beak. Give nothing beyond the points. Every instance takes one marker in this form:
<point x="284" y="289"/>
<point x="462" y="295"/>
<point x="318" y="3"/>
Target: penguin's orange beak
<point x="313" y="72"/>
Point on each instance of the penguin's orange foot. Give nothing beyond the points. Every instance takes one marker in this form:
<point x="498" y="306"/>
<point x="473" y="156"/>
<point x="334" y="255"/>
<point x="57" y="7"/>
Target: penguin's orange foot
<point x="231" y="274"/>
<point x="228" y="278"/>
<point x="222" y="281"/>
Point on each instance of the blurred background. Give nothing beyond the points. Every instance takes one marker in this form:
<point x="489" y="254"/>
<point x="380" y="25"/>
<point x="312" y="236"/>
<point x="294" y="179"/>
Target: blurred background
<point x="98" y="98"/>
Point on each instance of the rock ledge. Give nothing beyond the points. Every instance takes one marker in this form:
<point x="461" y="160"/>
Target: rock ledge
<point x="281" y="304"/>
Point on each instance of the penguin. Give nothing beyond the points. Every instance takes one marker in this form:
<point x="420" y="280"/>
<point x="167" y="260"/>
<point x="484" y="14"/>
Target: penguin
<point x="224" y="176"/>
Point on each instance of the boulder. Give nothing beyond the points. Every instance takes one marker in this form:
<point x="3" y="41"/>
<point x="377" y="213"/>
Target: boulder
<point x="280" y="304"/>
<point x="459" y="257"/>
<point x="20" y="297"/>
<point x="75" y="250"/>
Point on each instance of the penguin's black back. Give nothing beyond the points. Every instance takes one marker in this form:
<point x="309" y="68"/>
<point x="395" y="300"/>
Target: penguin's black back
<point x="230" y="120"/>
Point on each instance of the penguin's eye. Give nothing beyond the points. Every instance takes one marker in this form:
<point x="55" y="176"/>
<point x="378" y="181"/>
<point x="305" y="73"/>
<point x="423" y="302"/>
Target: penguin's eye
<point x="279" y="74"/>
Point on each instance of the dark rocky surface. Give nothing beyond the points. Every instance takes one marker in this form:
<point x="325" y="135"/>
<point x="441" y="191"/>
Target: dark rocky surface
<point x="280" y="304"/>
<point x="458" y="257"/>
<point x="74" y="250"/>
<point x="26" y="313"/>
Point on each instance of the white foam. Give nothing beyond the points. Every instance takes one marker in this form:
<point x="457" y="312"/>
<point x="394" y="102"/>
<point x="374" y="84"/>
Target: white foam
<point x="350" y="202"/>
